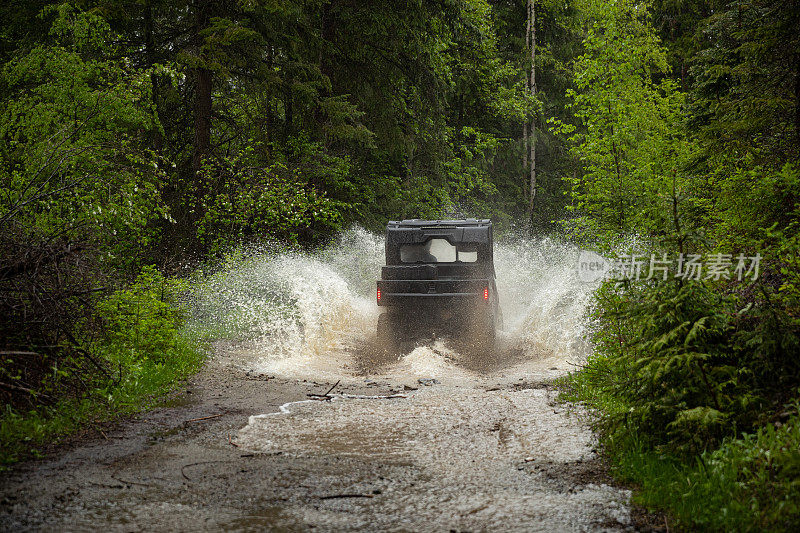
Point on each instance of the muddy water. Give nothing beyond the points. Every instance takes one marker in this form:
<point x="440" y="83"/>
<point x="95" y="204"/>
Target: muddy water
<point x="309" y="308"/>
<point x="483" y="460"/>
<point x="481" y="437"/>
<point x="427" y="440"/>
<point x="313" y="315"/>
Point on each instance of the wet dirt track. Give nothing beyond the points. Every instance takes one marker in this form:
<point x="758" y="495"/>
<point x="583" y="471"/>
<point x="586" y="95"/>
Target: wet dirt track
<point x="432" y="440"/>
<point x="464" y="450"/>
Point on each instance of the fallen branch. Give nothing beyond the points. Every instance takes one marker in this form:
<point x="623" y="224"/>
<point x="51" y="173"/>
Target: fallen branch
<point x="324" y="397"/>
<point x="334" y="386"/>
<point x="321" y="397"/>
<point x="337" y="496"/>
<point x="374" y="397"/>
<point x="204" y="418"/>
<point x="329" y="397"/>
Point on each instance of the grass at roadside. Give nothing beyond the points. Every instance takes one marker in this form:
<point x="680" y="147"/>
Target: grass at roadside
<point x="25" y="435"/>
<point x="748" y="484"/>
<point x="142" y="353"/>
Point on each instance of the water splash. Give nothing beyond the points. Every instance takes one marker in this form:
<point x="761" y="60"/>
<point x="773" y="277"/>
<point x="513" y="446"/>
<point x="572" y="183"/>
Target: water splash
<point x="290" y="302"/>
<point x="543" y="300"/>
<point x="310" y="309"/>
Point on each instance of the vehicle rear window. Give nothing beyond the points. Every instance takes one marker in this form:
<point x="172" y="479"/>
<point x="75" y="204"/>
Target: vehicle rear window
<point x="438" y="251"/>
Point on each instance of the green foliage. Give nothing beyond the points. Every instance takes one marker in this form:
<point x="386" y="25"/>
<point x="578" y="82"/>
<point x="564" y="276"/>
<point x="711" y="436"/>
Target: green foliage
<point x="687" y="378"/>
<point x="665" y="353"/>
<point x="142" y="346"/>
<point x="73" y="160"/>
<point x="691" y="364"/>
<point x="141" y="321"/>
<point x="751" y="198"/>
<point x="254" y="204"/>
<point x="25" y="434"/>
<point x="748" y="484"/>
<point x="632" y="142"/>
<point x="744" y="100"/>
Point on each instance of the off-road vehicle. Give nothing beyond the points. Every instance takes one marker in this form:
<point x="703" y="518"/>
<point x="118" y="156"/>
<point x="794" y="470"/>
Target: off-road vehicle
<point x="439" y="281"/>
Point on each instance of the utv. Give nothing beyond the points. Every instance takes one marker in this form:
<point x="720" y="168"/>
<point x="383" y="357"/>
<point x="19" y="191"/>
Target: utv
<point x="438" y="282"/>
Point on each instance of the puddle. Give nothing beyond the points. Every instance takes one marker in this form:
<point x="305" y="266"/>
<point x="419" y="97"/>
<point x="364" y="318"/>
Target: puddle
<point x="475" y="449"/>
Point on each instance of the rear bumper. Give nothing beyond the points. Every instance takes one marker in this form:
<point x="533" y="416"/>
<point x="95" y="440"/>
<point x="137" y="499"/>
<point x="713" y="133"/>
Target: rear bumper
<point x="434" y="292"/>
<point x="430" y="300"/>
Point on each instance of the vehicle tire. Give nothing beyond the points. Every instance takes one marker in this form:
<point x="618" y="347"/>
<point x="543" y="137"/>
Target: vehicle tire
<point x="481" y="341"/>
<point x="386" y="332"/>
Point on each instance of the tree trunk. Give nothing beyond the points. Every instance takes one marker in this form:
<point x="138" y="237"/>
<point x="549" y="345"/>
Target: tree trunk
<point x="202" y="117"/>
<point x="527" y="88"/>
<point x="797" y="101"/>
<point x="328" y="32"/>
<point x="268" y="104"/>
<point x="202" y="99"/>
<point x="149" y="52"/>
<point x="532" y="195"/>
<point x="288" y="106"/>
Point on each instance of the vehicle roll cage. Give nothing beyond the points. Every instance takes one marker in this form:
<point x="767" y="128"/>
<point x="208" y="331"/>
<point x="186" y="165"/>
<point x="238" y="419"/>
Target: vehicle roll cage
<point x="474" y="232"/>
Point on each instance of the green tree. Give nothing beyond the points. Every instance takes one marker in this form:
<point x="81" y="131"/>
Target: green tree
<point x="632" y="141"/>
<point x="72" y="139"/>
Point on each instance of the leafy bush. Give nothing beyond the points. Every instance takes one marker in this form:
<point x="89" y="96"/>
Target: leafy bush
<point x="254" y="203"/>
<point x="688" y="380"/>
<point x="141" y="353"/>
<point x="664" y="351"/>
<point x="141" y="322"/>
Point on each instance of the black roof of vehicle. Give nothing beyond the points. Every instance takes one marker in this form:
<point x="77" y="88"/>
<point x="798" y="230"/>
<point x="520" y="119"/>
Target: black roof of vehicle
<point x="455" y="231"/>
<point x="419" y="223"/>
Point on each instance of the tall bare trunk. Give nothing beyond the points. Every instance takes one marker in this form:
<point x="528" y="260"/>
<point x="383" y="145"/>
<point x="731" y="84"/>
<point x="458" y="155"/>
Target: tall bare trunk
<point x="202" y="117"/>
<point x="797" y="99"/>
<point x="527" y="88"/>
<point x="288" y="106"/>
<point x="532" y="18"/>
<point x="202" y="98"/>
<point x="149" y="52"/>
<point x="268" y="103"/>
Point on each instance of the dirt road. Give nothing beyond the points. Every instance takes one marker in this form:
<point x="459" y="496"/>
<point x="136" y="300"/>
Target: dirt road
<point x="429" y="441"/>
<point x="433" y="441"/>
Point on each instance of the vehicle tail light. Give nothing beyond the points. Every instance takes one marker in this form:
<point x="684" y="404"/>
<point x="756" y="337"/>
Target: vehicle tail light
<point x="485" y="293"/>
<point x="379" y="295"/>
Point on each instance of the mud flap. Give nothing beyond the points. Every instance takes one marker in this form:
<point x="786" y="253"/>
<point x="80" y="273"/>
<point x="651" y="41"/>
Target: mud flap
<point x="387" y="333"/>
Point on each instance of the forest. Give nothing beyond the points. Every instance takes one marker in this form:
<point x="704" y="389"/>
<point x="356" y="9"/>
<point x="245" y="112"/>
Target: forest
<point x="140" y="138"/>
